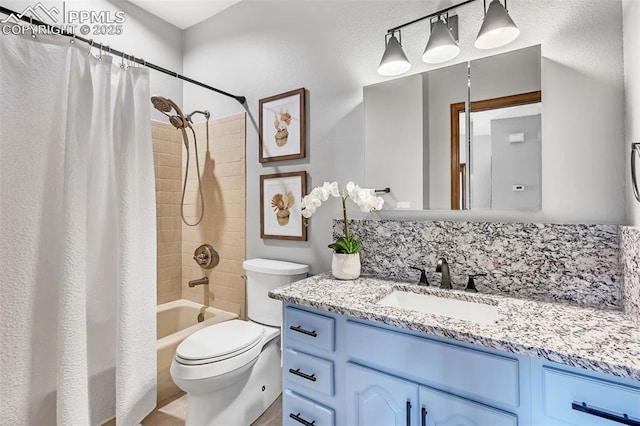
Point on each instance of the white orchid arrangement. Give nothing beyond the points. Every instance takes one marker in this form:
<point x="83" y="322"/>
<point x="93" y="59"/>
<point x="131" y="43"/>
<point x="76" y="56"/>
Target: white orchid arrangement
<point x="365" y="198"/>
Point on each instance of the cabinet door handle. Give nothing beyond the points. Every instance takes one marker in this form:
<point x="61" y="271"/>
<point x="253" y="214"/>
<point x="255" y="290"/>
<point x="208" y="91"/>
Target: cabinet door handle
<point x="424" y="416"/>
<point x="299" y="419"/>
<point x="408" y="412"/>
<point x="299" y="329"/>
<point x="297" y="372"/>
<point x="605" y="414"/>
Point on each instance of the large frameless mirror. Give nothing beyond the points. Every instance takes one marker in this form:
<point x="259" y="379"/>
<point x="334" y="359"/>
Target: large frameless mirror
<point x="417" y="143"/>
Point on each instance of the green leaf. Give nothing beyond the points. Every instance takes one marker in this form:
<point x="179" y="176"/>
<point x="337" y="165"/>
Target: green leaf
<point x="345" y="245"/>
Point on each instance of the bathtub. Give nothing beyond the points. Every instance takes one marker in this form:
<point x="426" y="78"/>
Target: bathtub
<point x="177" y="320"/>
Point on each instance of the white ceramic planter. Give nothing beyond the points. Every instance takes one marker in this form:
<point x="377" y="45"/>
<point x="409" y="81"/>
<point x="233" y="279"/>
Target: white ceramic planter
<point x="345" y="266"/>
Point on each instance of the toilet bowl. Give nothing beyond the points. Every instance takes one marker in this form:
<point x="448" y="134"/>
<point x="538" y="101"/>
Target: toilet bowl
<point x="231" y="371"/>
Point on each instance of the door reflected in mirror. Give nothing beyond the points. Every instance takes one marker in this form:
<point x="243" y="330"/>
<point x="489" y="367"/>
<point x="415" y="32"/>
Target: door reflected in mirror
<point x="413" y="134"/>
<point x="504" y="148"/>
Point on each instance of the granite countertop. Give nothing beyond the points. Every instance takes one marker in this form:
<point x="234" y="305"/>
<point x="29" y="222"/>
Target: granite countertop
<point x="603" y="340"/>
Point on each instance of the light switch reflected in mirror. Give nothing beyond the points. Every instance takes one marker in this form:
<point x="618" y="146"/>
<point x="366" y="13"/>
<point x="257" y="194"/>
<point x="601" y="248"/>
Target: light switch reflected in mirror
<point x="411" y="142"/>
<point x="505" y="150"/>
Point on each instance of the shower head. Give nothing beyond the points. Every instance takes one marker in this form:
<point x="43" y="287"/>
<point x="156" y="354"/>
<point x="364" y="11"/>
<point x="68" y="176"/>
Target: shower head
<point x="165" y="105"/>
<point x="161" y="103"/>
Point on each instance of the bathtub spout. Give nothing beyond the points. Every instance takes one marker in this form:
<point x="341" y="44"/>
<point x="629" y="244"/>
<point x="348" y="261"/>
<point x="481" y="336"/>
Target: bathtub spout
<point x="201" y="281"/>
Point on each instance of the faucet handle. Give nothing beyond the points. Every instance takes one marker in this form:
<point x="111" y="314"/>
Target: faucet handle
<point x="471" y="285"/>
<point x="423" y="275"/>
<point x="440" y="263"/>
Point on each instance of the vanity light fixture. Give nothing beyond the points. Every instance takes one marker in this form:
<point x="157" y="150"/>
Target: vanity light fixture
<point x="394" y="61"/>
<point x="442" y="45"/>
<point x="497" y="28"/>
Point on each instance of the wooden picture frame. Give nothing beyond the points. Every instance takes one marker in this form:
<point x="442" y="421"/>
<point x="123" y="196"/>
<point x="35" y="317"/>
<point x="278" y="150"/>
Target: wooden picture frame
<point x="280" y="212"/>
<point x="282" y="132"/>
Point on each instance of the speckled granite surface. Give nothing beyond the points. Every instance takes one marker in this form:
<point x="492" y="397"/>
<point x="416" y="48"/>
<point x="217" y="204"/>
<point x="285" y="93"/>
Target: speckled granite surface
<point x="548" y="262"/>
<point x="603" y="340"/>
<point x="630" y="258"/>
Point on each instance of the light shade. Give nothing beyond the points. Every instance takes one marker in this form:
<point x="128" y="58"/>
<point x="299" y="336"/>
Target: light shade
<point x="394" y="61"/>
<point x="497" y="28"/>
<point x="441" y="46"/>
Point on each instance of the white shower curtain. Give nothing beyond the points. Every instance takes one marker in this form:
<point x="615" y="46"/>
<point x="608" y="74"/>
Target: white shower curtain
<point x="77" y="237"/>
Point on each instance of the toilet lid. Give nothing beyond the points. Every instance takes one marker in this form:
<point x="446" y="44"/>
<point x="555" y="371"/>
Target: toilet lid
<point x="221" y="340"/>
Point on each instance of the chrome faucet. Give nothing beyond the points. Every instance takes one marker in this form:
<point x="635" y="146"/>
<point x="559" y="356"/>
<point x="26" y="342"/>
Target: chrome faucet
<point x="199" y="281"/>
<point x="443" y="267"/>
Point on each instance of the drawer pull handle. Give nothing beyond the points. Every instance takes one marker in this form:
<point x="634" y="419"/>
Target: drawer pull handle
<point x="297" y="372"/>
<point x="424" y="416"/>
<point x="408" y="412"/>
<point x="599" y="412"/>
<point x="299" y="329"/>
<point x="299" y="419"/>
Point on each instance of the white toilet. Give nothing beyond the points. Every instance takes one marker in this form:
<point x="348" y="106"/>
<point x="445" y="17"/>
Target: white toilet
<point x="231" y="371"/>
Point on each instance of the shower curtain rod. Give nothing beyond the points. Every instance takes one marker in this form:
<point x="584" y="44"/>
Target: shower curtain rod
<point x="109" y="50"/>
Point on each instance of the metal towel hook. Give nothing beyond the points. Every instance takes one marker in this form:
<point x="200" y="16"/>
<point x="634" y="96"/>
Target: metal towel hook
<point x="635" y="152"/>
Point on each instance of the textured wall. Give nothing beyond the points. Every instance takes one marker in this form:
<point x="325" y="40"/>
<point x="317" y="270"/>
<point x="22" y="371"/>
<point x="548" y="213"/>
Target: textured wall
<point x="332" y="48"/>
<point x="167" y="158"/>
<point x="571" y="263"/>
<point x="143" y="35"/>
<point x="222" y="169"/>
<point x="631" y="31"/>
<point x="630" y="259"/>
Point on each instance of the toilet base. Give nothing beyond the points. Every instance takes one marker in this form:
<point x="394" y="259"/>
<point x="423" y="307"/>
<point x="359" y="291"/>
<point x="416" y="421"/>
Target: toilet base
<point x="243" y="401"/>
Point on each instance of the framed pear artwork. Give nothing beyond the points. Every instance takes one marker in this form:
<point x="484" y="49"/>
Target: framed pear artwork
<point x="282" y="126"/>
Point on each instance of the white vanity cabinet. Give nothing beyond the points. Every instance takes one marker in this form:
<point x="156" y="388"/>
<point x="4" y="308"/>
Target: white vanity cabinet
<point x="340" y="370"/>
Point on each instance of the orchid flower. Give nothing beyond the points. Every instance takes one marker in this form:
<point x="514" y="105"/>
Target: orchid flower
<point x="365" y="199"/>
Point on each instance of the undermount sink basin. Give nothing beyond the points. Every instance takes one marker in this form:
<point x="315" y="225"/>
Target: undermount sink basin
<point x="477" y="312"/>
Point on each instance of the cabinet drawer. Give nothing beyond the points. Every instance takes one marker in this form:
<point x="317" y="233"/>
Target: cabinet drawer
<point x="298" y="410"/>
<point x="303" y="328"/>
<point x="308" y="371"/>
<point x="467" y="372"/>
<point x="562" y="389"/>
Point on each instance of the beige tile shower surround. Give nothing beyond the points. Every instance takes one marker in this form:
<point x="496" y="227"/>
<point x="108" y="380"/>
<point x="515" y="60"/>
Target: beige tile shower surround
<point x="167" y="159"/>
<point x="222" y="169"/>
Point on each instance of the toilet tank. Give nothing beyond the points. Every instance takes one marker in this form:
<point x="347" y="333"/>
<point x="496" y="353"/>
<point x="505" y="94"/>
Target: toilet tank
<point x="262" y="276"/>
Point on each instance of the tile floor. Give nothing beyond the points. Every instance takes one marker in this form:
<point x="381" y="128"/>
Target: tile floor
<point x="174" y="412"/>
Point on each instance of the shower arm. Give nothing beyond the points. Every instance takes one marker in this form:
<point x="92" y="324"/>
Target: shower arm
<point x="206" y="114"/>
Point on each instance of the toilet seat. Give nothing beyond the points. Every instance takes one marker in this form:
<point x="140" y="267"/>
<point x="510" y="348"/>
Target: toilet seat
<point x="184" y="371"/>
<point x="219" y="342"/>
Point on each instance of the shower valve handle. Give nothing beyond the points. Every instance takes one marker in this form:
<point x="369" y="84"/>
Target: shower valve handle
<point x="206" y="256"/>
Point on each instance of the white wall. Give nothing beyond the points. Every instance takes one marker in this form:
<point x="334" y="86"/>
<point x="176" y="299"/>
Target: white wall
<point x="395" y="141"/>
<point x="481" y="176"/>
<point x="446" y="86"/>
<point x="144" y="36"/>
<point x="516" y="163"/>
<point x="505" y="75"/>
<point x="631" y="20"/>
<point x="332" y="48"/>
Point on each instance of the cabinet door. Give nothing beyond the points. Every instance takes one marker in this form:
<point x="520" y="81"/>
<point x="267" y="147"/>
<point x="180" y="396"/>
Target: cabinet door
<point x="377" y="399"/>
<point x="442" y="409"/>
